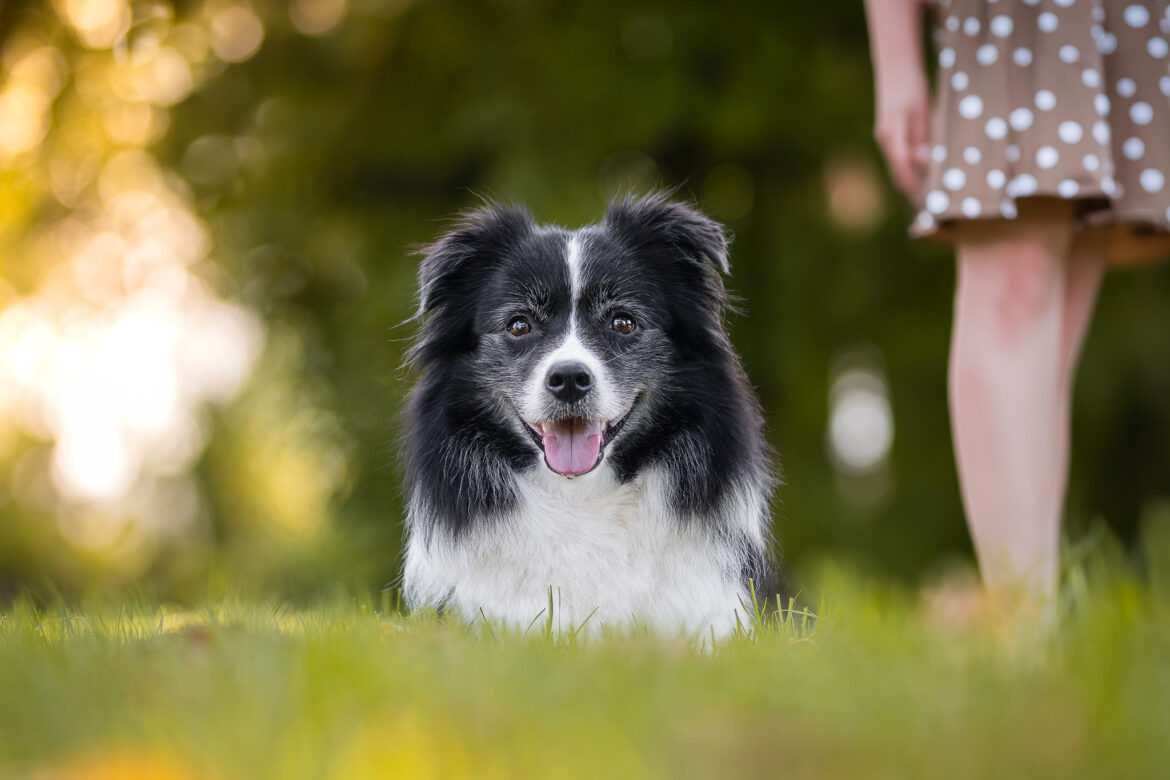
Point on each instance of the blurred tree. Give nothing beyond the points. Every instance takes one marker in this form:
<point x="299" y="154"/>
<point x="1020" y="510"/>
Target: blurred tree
<point x="314" y="143"/>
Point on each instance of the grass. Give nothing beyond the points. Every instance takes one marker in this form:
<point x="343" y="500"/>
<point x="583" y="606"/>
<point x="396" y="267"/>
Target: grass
<point x="879" y="686"/>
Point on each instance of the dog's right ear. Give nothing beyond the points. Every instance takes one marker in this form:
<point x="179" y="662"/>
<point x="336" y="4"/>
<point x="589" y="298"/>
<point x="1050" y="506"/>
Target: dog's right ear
<point x="452" y="274"/>
<point x="453" y="267"/>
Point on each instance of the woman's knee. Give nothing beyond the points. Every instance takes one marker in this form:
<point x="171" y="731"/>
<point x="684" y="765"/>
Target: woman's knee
<point x="1013" y="282"/>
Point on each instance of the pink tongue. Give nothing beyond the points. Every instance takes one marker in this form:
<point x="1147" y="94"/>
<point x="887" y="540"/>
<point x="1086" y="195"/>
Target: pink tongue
<point x="571" y="446"/>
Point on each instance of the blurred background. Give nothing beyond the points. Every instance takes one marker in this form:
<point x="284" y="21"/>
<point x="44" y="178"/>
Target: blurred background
<point x="207" y="210"/>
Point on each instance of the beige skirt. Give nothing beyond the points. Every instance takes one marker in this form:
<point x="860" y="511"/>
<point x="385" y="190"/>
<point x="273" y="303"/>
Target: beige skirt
<point x="1061" y="99"/>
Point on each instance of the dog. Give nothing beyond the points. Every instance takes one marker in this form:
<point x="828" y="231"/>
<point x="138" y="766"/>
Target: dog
<point x="582" y="445"/>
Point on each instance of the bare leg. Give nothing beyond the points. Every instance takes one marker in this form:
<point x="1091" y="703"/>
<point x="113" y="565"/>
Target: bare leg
<point x="1086" y="267"/>
<point x="1006" y="367"/>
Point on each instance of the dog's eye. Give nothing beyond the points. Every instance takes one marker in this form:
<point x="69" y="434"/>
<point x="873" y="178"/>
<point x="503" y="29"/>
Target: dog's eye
<point x="622" y="324"/>
<point x="519" y="327"/>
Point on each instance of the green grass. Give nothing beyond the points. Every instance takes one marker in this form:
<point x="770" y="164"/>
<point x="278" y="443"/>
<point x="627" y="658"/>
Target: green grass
<point x="348" y="688"/>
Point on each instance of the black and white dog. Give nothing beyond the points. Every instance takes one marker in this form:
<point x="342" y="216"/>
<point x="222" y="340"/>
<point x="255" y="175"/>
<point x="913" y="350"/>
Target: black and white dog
<point x="583" y="427"/>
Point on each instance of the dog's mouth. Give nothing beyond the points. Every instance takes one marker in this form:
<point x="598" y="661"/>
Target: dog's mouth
<point x="574" y="445"/>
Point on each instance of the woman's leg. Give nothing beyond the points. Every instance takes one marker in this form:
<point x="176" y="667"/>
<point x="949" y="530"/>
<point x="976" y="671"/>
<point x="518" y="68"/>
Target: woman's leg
<point x="1007" y="366"/>
<point x="1086" y="267"/>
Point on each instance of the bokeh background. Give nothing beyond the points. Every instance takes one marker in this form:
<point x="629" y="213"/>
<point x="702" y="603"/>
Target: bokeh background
<point x="207" y="210"/>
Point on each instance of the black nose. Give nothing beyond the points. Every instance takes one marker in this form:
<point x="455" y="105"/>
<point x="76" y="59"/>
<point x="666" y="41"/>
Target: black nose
<point x="569" y="381"/>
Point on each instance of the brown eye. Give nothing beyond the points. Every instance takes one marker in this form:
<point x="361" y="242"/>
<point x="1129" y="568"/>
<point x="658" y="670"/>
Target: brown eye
<point x="622" y="324"/>
<point x="519" y="327"/>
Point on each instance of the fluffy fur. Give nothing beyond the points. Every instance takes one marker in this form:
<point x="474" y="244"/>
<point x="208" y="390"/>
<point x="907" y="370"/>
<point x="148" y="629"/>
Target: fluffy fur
<point x="637" y="496"/>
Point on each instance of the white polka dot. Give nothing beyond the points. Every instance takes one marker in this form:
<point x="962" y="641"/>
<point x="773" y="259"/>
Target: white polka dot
<point x="971" y="26"/>
<point x="1126" y="87"/>
<point x="970" y="208"/>
<point x="1045" y="100"/>
<point x="1141" y="113"/>
<point x="937" y="202"/>
<point x="1001" y="26"/>
<point x="1011" y="153"/>
<point x="995" y="128"/>
<point x="1046" y="21"/>
<point x="1164" y="85"/>
<point x="938" y="153"/>
<point x="995" y="179"/>
<point x="1067" y="189"/>
<point x="946" y="57"/>
<point x="1133" y="148"/>
<point x="1098" y="13"/>
<point x="1031" y="2"/>
<point x="1069" y="54"/>
<point x="986" y="54"/>
<point x="959" y="81"/>
<point x="1101" y="103"/>
<point x="1064" y="3"/>
<point x="971" y="107"/>
<point x="1022" y="57"/>
<point x="1157" y="48"/>
<point x="1107" y="43"/>
<point x="1152" y="180"/>
<point x="1020" y="119"/>
<point x="1136" y="16"/>
<point x="1091" y="78"/>
<point x="1091" y="162"/>
<point x="952" y="23"/>
<point x="1008" y="209"/>
<point x="1022" y="186"/>
<point x="925" y="221"/>
<point x="1101" y="132"/>
<point x="1070" y="132"/>
<point x="954" y="179"/>
<point x="972" y="155"/>
<point x="1046" y="157"/>
<point x="1109" y="186"/>
<point x="1168" y="213"/>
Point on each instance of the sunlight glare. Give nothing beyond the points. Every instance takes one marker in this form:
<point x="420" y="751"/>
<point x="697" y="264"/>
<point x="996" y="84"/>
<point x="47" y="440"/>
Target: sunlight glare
<point x="99" y="23"/>
<point x="236" y="33"/>
<point x="860" y="430"/>
<point x="25" y="112"/>
<point x="316" y="17"/>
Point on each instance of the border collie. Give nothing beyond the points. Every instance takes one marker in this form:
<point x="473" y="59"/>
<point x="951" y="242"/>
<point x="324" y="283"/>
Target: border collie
<point x="582" y="437"/>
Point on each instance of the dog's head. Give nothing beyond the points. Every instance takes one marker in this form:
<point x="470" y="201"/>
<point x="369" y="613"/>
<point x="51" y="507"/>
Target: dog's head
<point x="567" y="338"/>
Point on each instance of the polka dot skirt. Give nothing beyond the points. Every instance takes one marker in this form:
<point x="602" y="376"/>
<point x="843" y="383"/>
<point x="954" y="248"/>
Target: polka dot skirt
<point x="1055" y="98"/>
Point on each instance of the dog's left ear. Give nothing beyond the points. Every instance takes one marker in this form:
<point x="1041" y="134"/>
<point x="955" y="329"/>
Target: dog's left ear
<point x="654" y="219"/>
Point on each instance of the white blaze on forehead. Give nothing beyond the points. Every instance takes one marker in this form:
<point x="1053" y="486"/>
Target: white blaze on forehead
<point x="572" y="349"/>
<point x="573" y="260"/>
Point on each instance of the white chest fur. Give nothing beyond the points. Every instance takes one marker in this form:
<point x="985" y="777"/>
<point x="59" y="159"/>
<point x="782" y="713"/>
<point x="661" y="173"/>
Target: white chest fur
<point x="612" y="554"/>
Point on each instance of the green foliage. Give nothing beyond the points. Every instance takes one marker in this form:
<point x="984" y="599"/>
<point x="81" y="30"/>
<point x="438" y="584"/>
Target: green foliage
<point x="320" y="161"/>
<point x="391" y="125"/>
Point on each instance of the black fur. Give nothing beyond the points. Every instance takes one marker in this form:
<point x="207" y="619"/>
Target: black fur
<point x="658" y="260"/>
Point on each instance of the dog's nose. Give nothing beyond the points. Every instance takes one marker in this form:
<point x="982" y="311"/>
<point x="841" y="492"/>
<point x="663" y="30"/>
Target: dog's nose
<point x="569" y="381"/>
